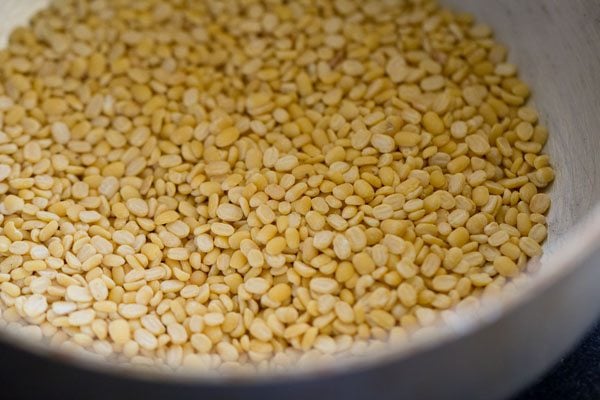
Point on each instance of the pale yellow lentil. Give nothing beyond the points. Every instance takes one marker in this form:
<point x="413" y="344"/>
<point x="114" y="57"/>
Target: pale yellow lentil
<point x="193" y="191"/>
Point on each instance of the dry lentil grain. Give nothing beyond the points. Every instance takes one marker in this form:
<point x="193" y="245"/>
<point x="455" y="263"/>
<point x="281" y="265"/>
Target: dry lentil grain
<point x="304" y="188"/>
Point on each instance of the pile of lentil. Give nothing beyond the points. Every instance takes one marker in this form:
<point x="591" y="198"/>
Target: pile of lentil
<point x="255" y="182"/>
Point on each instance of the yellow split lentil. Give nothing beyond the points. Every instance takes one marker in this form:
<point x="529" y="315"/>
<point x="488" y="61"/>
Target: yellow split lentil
<point x="221" y="184"/>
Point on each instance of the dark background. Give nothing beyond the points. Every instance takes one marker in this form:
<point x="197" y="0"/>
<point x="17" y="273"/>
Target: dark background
<point x="576" y="377"/>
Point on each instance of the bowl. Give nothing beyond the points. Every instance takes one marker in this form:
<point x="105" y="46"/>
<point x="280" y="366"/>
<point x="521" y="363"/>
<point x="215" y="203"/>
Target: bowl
<point x="513" y="340"/>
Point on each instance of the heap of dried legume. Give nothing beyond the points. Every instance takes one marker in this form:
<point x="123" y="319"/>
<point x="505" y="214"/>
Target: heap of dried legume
<point x="213" y="183"/>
